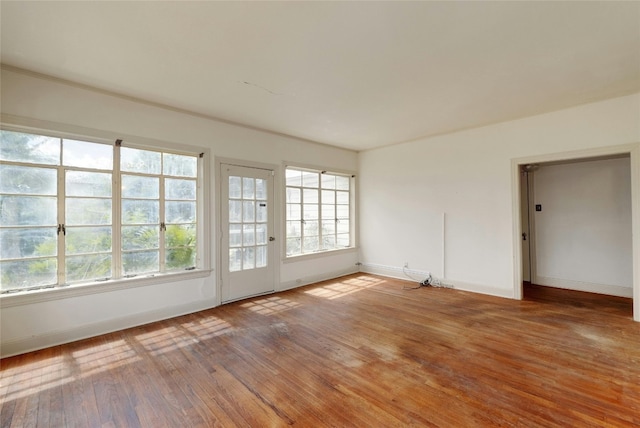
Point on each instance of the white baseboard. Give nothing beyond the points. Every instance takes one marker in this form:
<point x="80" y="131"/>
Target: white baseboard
<point x="288" y="285"/>
<point x="59" y="337"/>
<point x="481" y="289"/>
<point x="590" y="287"/>
<point x="419" y="275"/>
<point x="394" y="272"/>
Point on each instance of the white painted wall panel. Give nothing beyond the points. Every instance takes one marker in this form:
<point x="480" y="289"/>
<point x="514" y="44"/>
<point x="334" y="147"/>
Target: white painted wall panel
<point x="583" y="233"/>
<point x="406" y="188"/>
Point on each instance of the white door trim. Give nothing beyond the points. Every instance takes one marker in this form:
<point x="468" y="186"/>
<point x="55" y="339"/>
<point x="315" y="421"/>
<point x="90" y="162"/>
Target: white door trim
<point x="633" y="150"/>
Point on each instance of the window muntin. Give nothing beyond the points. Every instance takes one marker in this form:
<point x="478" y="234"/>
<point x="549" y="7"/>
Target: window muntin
<point x="318" y="211"/>
<point x="57" y="218"/>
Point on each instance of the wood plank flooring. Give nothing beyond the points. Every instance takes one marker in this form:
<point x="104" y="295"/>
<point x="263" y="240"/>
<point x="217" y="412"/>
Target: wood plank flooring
<point x="359" y="351"/>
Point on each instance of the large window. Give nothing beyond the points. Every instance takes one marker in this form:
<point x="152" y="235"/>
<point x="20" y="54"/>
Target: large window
<point x="318" y="211"/>
<point x="77" y="211"/>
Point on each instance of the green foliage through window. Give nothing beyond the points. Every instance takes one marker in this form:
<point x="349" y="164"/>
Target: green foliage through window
<point x="57" y="212"/>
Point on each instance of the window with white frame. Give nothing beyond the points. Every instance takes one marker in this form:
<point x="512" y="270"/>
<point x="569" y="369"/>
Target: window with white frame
<point x="79" y="211"/>
<point x="318" y="211"/>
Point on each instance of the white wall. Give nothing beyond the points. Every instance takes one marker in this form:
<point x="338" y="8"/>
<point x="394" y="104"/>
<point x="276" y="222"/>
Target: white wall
<point x="33" y="100"/>
<point x="466" y="178"/>
<point x="583" y="233"/>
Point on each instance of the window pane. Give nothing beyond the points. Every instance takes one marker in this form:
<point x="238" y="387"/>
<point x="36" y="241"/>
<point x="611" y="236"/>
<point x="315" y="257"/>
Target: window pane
<point x="261" y="189"/>
<point x="343" y="226"/>
<point x="310" y="228"/>
<point x="81" y="211"/>
<point x="144" y="161"/>
<point x="328" y="242"/>
<point x="28" y="273"/>
<point x="235" y="259"/>
<point x="294" y="212"/>
<point x="139" y="237"/>
<point x="293" y="195"/>
<point x="88" y="267"/>
<point x="248" y="211"/>
<point x="183" y="166"/>
<point x="328" y="227"/>
<point x="261" y="256"/>
<point x="180" y="258"/>
<point x="235" y="235"/>
<point x="179" y="189"/>
<point x="180" y="212"/>
<point x="248" y="234"/>
<point x="342" y="211"/>
<point x="248" y="188"/>
<point x="294" y="229"/>
<point x="261" y="234"/>
<point x="310" y="211"/>
<point x="328" y="197"/>
<point x="310" y="179"/>
<point x="84" y="183"/>
<point x="28" y="211"/>
<point x="134" y="186"/>
<point x="235" y="187"/>
<point x="293" y="177"/>
<point x="180" y="235"/>
<point x="140" y="211"/>
<point x="140" y="262"/>
<point x="235" y="211"/>
<point x="328" y="181"/>
<point x="342" y="197"/>
<point x="328" y="212"/>
<point x="294" y="246"/>
<point x="249" y="258"/>
<point x="16" y="146"/>
<point x="342" y="182"/>
<point x="32" y="242"/>
<point x="310" y="196"/>
<point x="88" y="240"/>
<point x="28" y="180"/>
<point x="343" y="240"/>
<point x="87" y="155"/>
<point x="311" y="244"/>
<point x="261" y="212"/>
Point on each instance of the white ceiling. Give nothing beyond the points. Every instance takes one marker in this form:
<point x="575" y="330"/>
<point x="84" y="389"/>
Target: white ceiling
<point x="357" y="75"/>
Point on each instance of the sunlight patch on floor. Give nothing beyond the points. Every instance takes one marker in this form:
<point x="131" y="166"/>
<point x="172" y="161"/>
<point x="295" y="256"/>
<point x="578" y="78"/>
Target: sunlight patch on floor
<point x="208" y="328"/>
<point x="108" y="356"/>
<point x="345" y="287"/>
<point x="165" y="340"/>
<point x="22" y="381"/>
<point x="270" y="305"/>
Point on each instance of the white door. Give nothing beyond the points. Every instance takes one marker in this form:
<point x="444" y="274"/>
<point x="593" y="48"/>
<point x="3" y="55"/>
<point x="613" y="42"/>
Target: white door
<point x="247" y="240"/>
<point x="526" y="230"/>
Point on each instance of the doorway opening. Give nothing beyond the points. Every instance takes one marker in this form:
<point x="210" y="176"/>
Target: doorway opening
<point x="564" y="246"/>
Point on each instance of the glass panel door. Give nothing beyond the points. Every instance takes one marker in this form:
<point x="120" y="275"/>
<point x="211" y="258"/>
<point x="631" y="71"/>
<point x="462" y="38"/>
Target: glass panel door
<point x="247" y="224"/>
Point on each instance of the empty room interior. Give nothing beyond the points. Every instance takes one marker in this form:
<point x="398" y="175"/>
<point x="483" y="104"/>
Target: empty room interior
<point x="320" y="214"/>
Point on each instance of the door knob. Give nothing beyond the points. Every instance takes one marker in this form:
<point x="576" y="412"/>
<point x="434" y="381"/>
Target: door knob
<point x="271" y="238"/>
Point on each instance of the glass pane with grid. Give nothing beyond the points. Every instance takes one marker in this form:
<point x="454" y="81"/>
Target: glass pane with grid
<point x="317" y="211"/>
<point x="247" y="223"/>
<point x="56" y="210"/>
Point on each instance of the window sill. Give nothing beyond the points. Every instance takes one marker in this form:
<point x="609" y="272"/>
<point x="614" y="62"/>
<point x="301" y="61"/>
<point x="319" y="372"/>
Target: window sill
<point x="319" y="254"/>
<point x="64" y="292"/>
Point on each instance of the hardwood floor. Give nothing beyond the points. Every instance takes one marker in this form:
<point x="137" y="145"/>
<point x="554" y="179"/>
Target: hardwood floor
<point x="357" y="351"/>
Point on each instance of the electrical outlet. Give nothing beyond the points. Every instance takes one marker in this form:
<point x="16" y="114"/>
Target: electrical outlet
<point x="406" y="264"/>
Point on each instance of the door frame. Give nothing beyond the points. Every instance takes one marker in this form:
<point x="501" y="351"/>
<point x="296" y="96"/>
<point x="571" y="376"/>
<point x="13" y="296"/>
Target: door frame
<point x="217" y="241"/>
<point x="528" y="175"/>
<point x="633" y="150"/>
